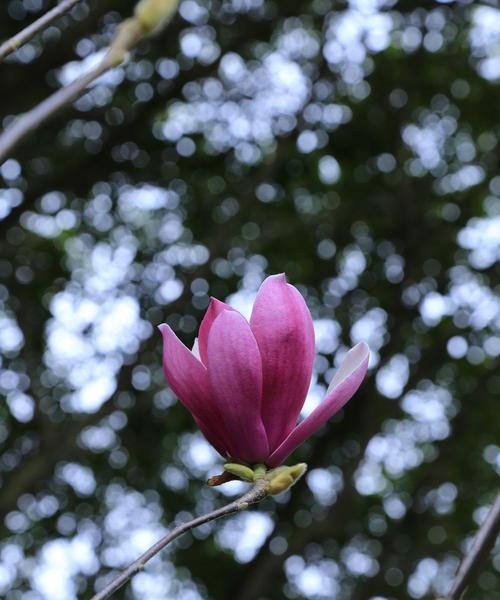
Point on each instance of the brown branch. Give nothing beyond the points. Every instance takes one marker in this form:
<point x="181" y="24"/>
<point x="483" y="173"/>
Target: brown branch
<point x="149" y="16"/>
<point x="31" y="120"/>
<point x="480" y="548"/>
<point x="16" y="41"/>
<point x="257" y="493"/>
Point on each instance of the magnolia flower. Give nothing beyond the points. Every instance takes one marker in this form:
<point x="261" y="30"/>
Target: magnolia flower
<point x="245" y="382"/>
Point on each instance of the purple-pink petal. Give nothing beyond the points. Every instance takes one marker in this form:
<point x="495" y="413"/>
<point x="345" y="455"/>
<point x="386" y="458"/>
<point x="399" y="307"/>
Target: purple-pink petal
<point x="283" y="328"/>
<point x="235" y="374"/>
<point x="213" y="311"/>
<point x="188" y="379"/>
<point x="348" y="379"/>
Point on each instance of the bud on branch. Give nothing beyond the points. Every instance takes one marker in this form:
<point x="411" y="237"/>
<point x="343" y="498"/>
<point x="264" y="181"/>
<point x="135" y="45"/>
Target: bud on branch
<point x="153" y="15"/>
<point x="149" y="17"/>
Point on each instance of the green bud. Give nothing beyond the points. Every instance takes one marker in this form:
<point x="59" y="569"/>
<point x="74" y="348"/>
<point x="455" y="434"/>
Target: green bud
<point x="296" y="471"/>
<point x="275" y="472"/>
<point x="240" y="471"/>
<point x="154" y="14"/>
<point x="282" y="478"/>
<point x="279" y="484"/>
<point x="126" y="37"/>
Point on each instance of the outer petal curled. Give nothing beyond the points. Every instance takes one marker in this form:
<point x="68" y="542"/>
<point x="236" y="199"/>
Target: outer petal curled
<point x="189" y="381"/>
<point x="235" y="374"/>
<point x="345" y="384"/>
<point x="283" y="328"/>
<point x="215" y="308"/>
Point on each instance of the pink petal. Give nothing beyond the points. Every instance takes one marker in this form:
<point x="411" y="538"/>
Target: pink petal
<point x="346" y="382"/>
<point x="283" y="328"/>
<point x="189" y="381"/>
<point x="213" y="311"/>
<point x="235" y="374"/>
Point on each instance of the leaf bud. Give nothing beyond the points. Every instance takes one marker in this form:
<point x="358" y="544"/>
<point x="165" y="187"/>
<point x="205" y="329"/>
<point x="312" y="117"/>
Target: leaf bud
<point x="154" y="14"/>
<point x="240" y="471"/>
<point x="282" y="478"/>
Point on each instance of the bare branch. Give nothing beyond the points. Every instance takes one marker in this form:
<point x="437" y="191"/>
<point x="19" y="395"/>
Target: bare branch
<point x="149" y="16"/>
<point x="257" y="493"/>
<point x="480" y="548"/>
<point x="15" y="42"/>
<point x="31" y="120"/>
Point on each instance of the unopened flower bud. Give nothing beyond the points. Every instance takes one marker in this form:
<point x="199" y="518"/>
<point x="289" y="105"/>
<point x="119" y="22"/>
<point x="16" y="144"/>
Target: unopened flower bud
<point x="154" y="14"/>
<point x="127" y="35"/>
<point x="282" y="478"/>
<point x="240" y="471"/>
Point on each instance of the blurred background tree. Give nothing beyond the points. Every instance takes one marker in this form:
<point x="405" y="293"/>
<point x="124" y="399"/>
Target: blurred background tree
<point x="353" y="145"/>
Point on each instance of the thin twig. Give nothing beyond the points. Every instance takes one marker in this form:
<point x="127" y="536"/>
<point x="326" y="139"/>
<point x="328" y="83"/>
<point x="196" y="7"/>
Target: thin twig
<point x="480" y="548"/>
<point x="31" y="120"/>
<point x="16" y="41"/>
<point x="149" y="17"/>
<point x="127" y="37"/>
<point x="257" y="493"/>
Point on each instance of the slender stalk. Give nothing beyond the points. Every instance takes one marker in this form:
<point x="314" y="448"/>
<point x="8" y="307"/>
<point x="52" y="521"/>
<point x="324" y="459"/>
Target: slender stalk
<point x="16" y="41"/>
<point x="480" y="548"/>
<point x="257" y="493"/>
<point x="129" y="33"/>
<point x="150" y="16"/>
<point x="32" y="119"/>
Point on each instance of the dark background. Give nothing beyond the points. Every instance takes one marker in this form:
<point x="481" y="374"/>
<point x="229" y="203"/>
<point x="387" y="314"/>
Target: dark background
<point x="353" y="145"/>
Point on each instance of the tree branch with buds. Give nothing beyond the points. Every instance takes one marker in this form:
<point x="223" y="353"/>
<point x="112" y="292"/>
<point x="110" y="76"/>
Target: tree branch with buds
<point x="257" y="493"/>
<point x="149" y="17"/>
<point x="265" y="483"/>
<point x="25" y="35"/>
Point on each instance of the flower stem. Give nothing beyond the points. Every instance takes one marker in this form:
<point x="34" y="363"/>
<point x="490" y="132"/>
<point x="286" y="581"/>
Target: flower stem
<point x="257" y="493"/>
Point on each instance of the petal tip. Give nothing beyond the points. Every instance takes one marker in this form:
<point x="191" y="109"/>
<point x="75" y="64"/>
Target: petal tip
<point x="214" y="301"/>
<point x="216" y="307"/>
<point x="278" y="278"/>
<point x="163" y="328"/>
<point x="362" y="348"/>
<point x="355" y="361"/>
